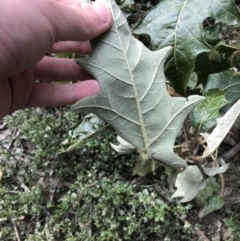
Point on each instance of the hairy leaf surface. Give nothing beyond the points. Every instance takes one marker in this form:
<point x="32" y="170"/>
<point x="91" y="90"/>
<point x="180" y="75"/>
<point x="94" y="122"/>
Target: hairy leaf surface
<point x="133" y="97"/>
<point x="179" y="23"/>
<point x="189" y="183"/>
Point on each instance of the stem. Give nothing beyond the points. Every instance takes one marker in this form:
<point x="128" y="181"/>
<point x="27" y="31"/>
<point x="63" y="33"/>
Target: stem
<point x="197" y="162"/>
<point x="186" y="131"/>
<point x="231" y="153"/>
<point x="194" y="142"/>
<point x="15" y="229"/>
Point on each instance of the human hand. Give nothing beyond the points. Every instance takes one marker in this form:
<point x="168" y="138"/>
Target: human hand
<point x="29" y="30"/>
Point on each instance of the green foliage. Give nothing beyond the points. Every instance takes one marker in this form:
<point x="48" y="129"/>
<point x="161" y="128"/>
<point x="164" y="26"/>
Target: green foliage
<point x="89" y="127"/>
<point x="227" y="81"/>
<point x="213" y="203"/>
<point x="212" y="187"/>
<point x="88" y="194"/>
<point x="233" y="224"/>
<point x="204" y="116"/>
<point x="179" y="24"/>
<point x="84" y="195"/>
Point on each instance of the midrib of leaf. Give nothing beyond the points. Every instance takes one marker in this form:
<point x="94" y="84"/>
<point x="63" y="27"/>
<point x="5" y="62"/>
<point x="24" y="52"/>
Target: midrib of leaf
<point x="141" y="122"/>
<point x="175" y="35"/>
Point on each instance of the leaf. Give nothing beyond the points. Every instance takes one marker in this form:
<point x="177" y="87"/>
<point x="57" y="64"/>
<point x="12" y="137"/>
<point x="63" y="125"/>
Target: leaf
<point x="204" y="115"/>
<point x="228" y="81"/>
<point x="179" y="24"/>
<point x="127" y="7"/>
<point x="211" y="187"/>
<point x="89" y="128"/>
<point x="205" y="62"/>
<point x="127" y="4"/>
<point x="123" y="147"/>
<point x="213" y="203"/>
<point x="189" y="183"/>
<point x="211" y="34"/>
<point x="224" y="124"/>
<point x="205" y="67"/>
<point x="216" y="170"/>
<point x="133" y="97"/>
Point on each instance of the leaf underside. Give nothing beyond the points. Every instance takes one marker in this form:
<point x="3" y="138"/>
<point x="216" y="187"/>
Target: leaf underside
<point x="133" y="97"/>
<point x="178" y="23"/>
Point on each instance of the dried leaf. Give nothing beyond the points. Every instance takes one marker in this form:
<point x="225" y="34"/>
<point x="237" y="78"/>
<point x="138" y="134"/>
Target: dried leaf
<point x="216" y="170"/>
<point x="123" y="147"/>
<point x="224" y="124"/>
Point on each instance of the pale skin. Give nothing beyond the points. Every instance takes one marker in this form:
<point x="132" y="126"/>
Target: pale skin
<point x="29" y="30"/>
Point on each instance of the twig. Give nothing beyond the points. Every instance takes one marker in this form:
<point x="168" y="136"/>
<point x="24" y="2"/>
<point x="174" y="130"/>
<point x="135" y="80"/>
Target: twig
<point x="178" y="146"/>
<point x="186" y="131"/>
<point x="231" y="153"/>
<point x="9" y="153"/>
<point x="23" y="185"/>
<point x="194" y="142"/>
<point x="230" y="140"/>
<point x="3" y="126"/>
<point x="220" y="174"/>
<point x="55" y="186"/>
<point x="196" y="148"/>
<point x="15" y="229"/>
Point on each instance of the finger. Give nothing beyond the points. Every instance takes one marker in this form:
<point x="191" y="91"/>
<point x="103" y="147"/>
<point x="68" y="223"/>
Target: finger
<point x="47" y="95"/>
<point x="70" y="2"/>
<point x="57" y="69"/>
<point x="79" y="23"/>
<point x="71" y="47"/>
<point x="19" y="93"/>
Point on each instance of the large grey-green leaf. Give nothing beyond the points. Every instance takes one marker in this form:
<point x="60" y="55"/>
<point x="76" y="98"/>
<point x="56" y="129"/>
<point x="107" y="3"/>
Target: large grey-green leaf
<point x="133" y="96"/>
<point x="179" y="23"/>
<point x="204" y="116"/>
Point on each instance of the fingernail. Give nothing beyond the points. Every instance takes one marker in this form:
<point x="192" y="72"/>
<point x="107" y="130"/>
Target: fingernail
<point x="102" y="11"/>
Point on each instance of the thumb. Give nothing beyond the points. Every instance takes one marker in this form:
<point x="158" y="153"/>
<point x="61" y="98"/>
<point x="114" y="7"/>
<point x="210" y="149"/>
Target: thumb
<point x="79" y="23"/>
